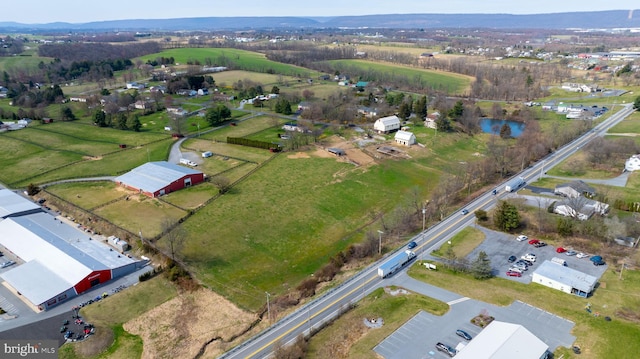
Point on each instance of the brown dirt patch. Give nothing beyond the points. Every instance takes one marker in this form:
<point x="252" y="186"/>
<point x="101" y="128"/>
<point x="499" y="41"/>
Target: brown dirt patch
<point x="181" y="326"/>
<point x="92" y="158"/>
<point x="298" y="155"/>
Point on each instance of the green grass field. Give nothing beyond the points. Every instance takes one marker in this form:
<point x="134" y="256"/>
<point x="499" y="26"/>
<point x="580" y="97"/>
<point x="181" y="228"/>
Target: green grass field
<point x="443" y="81"/>
<point x="238" y="59"/>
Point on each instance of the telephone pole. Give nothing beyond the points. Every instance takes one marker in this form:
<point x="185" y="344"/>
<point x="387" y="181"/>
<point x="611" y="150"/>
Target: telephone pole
<point x="268" y="307"/>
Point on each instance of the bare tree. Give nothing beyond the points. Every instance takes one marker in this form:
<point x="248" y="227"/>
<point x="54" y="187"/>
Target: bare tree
<point x="175" y="236"/>
<point x="222" y="183"/>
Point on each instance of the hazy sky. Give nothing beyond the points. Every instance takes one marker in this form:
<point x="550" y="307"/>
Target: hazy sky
<point x="81" y="11"/>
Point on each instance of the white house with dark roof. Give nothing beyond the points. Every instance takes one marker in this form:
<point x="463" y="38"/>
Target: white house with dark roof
<point x="632" y="164"/>
<point x="387" y="124"/>
<point x="574" y="189"/>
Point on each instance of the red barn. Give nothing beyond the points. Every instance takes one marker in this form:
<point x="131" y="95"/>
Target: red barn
<point x="159" y="178"/>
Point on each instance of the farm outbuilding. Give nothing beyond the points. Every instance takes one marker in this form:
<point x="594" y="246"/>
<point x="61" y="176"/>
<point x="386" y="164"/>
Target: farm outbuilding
<point x="387" y="124"/>
<point x="504" y="340"/>
<point x="159" y="178"/>
<point x="57" y="261"/>
<point x="405" y="138"/>
<point x="565" y="279"/>
<point x="13" y="204"/>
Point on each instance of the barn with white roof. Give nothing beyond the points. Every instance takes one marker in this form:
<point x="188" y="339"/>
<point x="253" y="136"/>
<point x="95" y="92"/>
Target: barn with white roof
<point x="159" y="178"/>
<point x="56" y="261"/>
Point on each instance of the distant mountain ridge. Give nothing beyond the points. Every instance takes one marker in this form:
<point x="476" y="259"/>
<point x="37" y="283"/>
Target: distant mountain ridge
<point x="584" y="20"/>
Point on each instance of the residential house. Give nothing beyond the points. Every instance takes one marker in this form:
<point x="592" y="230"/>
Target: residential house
<point x="580" y="208"/>
<point x="368" y="111"/>
<point x="3" y="92"/>
<point x="575" y="189"/>
<point x="387" y="124"/>
<point x="431" y="120"/>
<point x="134" y="85"/>
<point x="633" y="163"/>
<point x="405" y="138"/>
<point x="304" y="105"/>
<point x="143" y="104"/>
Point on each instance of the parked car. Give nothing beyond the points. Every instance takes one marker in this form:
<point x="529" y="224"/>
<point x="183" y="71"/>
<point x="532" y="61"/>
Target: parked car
<point x="529" y="257"/>
<point x="534" y="241"/>
<point x="571" y="252"/>
<point x="446" y="349"/>
<point x="521" y="238"/>
<point x="520" y="265"/>
<point x="582" y="255"/>
<point x="515" y="269"/>
<point x="560" y="250"/>
<point x="540" y="244"/>
<point x="512" y="273"/>
<point x="512" y="259"/>
<point x="7" y="264"/>
<point x="462" y="334"/>
<point x="597" y="261"/>
<point x="412" y="245"/>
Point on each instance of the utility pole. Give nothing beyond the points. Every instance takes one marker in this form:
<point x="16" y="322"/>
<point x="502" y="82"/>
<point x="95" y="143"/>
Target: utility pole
<point x="380" y="241"/>
<point x="424" y="213"/>
<point x="268" y="307"/>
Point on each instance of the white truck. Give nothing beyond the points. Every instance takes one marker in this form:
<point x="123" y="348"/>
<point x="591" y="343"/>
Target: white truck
<point x="187" y="162"/>
<point x="207" y="154"/>
<point x="514" y="184"/>
<point x="395" y="263"/>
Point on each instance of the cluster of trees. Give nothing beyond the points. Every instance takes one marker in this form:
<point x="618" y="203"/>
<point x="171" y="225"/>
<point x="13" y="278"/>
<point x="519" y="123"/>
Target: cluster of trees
<point x="217" y="115"/>
<point x="121" y="121"/>
<point x="85" y="51"/>
<point x="33" y="96"/>
<point x="11" y="46"/>
<point x="162" y="61"/>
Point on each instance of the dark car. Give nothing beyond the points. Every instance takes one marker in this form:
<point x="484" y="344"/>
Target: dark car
<point x="462" y="334"/>
<point x="446" y="349"/>
<point x="539" y="244"/>
<point x="512" y="259"/>
<point x="412" y="245"/>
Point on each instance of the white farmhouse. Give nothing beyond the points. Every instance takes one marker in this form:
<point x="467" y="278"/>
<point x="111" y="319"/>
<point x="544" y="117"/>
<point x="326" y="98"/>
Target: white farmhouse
<point x="582" y="208"/>
<point x="387" y="124"/>
<point x="632" y="164"/>
<point x="405" y="138"/>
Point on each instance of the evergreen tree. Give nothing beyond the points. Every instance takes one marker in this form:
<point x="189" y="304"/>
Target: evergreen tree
<point x="506" y="217"/>
<point x="636" y="103"/>
<point x="66" y="114"/>
<point x="404" y="112"/>
<point x="100" y="118"/>
<point x="420" y="107"/>
<point x="122" y="122"/>
<point x="481" y="266"/>
<point x="136" y="125"/>
<point x="456" y="112"/>
<point x="443" y="124"/>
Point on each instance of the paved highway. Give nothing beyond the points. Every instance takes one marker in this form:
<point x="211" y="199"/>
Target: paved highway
<point x="329" y="305"/>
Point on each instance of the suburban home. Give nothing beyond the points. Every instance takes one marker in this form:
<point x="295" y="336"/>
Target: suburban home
<point x="292" y="127"/>
<point x="632" y="164"/>
<point x="575" y="189"/>
<point x="368" y="111"/>
<point x="387" y="124"/>
<point x="134" y="85"/>
<point x="304" y="105"/>
<point x="142" y="104"/>
<point x="405" y="138"/>
<point x="431" y="120"/>
<point x="580" y="208"/>
<point x="3" y="92"/>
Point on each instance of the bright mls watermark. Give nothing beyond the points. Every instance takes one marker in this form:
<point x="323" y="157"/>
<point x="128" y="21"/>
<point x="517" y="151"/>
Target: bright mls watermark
<point x="43" y="349"/>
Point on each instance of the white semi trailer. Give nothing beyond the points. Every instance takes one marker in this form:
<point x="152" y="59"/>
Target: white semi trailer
<point x="515" y="184"/>
<point x="395" y="263"/>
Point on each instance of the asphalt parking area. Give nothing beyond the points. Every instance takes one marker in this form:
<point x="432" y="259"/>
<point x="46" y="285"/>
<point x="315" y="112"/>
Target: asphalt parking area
<point x="499" y="246"/>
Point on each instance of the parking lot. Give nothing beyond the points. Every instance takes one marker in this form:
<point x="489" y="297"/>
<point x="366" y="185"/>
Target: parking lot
<point x="499" y="246"/>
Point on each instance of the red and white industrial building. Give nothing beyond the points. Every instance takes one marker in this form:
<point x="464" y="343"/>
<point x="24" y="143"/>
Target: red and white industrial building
<point x="55" y="261"/>
<point x="155" y="179"/>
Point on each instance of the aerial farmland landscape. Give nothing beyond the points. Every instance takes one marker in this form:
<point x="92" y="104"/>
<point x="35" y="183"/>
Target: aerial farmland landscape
<point x="435" y="182"/>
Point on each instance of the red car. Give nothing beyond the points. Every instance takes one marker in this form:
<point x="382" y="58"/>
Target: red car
<point x="512" y="273"/>
<point x="534" y="241"/>
<point x="560" y="250"/>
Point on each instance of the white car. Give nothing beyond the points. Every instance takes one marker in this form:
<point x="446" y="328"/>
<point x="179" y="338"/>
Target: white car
<point x="529" y="257"/>
<point x="522" y="238"/>
<point x="582" y="255"/>
<point x="516" y="269"/>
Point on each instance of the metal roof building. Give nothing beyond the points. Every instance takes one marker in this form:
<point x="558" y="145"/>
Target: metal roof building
<point x="13" y="204"/>
<point x="159" y="178"/>
<point x="564" y="278"/>
<point x="501" y="340"/>
<point x="57" y="261"/>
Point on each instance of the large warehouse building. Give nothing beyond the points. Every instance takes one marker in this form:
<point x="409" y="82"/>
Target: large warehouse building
<point x="563" y="278"/>
<point x="13" y="204"/>
<point x="501" y="340"/>
<point x="56" y="261"/>
<point x="159" y="178"/>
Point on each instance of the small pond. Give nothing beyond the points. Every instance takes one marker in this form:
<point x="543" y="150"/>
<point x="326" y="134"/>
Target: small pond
<point x="490" y="125"/>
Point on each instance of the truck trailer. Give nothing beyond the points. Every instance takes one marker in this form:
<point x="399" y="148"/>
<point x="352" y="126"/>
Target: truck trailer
<point x="395" y="263"/>
<point x="514" y="184"/>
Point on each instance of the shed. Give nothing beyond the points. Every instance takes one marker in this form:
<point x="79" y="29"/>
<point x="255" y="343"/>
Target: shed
<point x="336" y="151"/>
<point x="387" y="124"/>
<point x="565" y="279"/>
<point x="405" y="138"/>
